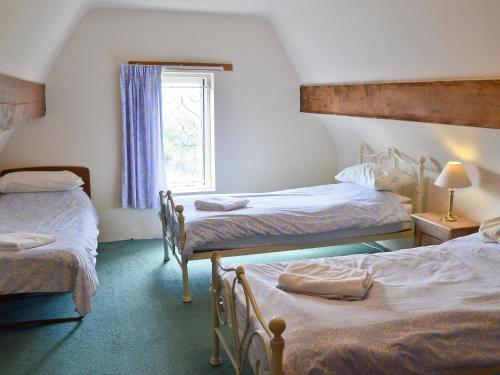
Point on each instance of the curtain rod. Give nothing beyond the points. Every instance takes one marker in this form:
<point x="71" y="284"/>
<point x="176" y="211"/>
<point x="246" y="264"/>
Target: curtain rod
<point x="187" y="65"/>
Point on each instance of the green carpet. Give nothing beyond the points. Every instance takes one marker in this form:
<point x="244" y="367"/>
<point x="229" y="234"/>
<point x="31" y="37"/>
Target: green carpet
<point x="138" y="324"/>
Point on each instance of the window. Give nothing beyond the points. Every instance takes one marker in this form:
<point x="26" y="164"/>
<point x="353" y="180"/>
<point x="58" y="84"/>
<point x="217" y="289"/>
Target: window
<point x="188" y="131"/>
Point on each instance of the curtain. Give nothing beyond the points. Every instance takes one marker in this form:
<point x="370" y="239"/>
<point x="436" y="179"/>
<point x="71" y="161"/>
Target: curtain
<point x="143" y="173"/>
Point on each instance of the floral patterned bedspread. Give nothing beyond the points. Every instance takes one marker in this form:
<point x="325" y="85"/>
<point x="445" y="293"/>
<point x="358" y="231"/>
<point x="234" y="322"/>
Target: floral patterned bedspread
<point x="431" y="310"/>
<point x="65" y="265"/>
<point x="303" y="211"/>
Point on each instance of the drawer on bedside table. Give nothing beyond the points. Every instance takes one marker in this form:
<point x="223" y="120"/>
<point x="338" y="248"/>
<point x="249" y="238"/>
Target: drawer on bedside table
<point x="430" y="229"/>
<point x="426" y="240"/>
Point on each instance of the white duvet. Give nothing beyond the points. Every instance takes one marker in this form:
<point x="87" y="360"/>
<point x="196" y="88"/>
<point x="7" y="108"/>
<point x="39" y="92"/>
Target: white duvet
<point x="430" y="310"/>
<point x="67" y="264"/>
<point x="303" y="211"/>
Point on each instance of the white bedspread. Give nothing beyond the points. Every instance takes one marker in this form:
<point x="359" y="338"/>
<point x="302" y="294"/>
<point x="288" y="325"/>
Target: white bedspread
<point x="430" y="310"/>
<point x="65" y="265"/>
<point x="310" y="210"/>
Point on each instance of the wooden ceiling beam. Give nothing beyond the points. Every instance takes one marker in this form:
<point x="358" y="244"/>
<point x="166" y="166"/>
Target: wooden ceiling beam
<point x="469" y="103"/>
<point x="20" y="101"/>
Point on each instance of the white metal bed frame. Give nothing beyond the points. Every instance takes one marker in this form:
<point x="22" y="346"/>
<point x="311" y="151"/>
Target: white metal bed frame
<point x="174" y="230"/>
<point x="269" y="335"/>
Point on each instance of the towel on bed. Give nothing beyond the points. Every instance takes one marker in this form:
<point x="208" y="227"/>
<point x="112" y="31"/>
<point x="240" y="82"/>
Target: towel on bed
<point x="490" y="230"/>
<point x="21" y="241"/>
<point x="325" y="281"/>
<point x="220" y="203"/>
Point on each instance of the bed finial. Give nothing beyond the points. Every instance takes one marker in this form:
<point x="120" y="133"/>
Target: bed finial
<point x="277" y="326"/>
<point x="240" y="270"/>
<point x="215" y="256"/>
<point x="180" y="209"/>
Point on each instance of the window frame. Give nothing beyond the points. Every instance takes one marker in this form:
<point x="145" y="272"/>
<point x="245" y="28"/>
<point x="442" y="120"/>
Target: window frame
<point x="209" y="185"/>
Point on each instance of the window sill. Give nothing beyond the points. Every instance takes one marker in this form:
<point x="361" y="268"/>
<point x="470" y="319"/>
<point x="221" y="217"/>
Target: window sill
<point x="197" y="192"/>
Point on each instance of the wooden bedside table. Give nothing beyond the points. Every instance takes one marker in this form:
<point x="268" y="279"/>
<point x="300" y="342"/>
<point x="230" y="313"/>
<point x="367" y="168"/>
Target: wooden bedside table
<point x="430" y="229"/>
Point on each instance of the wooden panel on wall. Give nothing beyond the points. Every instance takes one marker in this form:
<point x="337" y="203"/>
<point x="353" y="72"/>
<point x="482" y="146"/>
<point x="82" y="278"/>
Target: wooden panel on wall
<point x="20" y="101"/>
<point x="471" y="103"/>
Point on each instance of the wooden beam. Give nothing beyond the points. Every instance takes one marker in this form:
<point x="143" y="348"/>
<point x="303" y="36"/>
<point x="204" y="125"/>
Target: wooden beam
<point x="469" y="103"/>
<point x="20" y="101"/>
<point x="221" y="66"/>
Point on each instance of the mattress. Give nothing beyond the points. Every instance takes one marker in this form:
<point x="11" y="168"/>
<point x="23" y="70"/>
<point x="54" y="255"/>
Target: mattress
<point x="65" y="265"/>
<point x="430" y="310"/>
<point x="325" y="212"/>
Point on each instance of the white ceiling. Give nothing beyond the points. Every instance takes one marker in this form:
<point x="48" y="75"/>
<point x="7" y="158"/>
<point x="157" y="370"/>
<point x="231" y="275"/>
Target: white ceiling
<point x="326" y="40"/>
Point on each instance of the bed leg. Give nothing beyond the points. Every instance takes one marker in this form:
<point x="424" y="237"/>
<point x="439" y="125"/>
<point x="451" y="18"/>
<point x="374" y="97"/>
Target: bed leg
<point x="215" y="359"/>
<point x="186" y="298"/>
<point x="166" y="257"/>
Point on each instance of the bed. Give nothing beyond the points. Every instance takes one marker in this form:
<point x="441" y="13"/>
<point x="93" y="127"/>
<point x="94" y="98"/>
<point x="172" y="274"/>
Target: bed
<point x="67" y="265"/>
<point x="293" y="219"/>
<point x="431" y="310"/>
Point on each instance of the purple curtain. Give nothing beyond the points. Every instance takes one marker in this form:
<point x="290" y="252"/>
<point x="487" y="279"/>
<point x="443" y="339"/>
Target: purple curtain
<point x="143" y="174"/>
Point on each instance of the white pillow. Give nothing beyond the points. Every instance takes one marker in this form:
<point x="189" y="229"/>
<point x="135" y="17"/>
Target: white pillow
<point x="397" y="182"/>
<point x="402" y="198"/>
<point x="34" y="181"/>
<point x="372" y="176"/>
<point x="490" y="230"/>
<point x="366" y="174"/>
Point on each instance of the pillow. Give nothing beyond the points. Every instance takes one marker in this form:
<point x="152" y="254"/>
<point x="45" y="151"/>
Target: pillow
<point x="490" y="230"/>
<point x="373" y="177"/>
<point x="403" y="199"/>
<point x="33" y="181"/>
<point x="366" y="174"/>
<point x="397" y="181"/>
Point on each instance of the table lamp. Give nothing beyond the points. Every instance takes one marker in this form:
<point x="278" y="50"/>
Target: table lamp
<point x="453" y="176"/>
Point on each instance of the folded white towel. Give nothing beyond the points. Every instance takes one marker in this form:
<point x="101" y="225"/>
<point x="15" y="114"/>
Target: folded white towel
<point x="20" y="241"/>
<point x="325" y="281"/>
<point x="490" y="230"/>
<point x="220" y="203"/>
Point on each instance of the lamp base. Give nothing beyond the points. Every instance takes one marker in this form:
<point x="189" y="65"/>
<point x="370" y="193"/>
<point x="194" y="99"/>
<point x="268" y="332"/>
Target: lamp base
<point x="449" y="217"/>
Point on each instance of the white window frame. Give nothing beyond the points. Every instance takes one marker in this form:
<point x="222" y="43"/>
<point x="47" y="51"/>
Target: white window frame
<point x="208" y="129"/>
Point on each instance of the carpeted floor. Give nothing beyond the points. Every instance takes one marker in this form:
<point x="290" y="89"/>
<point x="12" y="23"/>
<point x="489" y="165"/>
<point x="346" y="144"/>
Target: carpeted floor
<point x="138" y="324"/>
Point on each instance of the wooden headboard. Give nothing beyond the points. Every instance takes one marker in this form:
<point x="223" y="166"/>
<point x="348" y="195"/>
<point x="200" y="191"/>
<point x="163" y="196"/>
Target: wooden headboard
<point x="83" y="172"/>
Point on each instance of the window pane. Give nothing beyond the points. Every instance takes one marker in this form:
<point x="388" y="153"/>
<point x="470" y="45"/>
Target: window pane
<point x="184" y="101"/>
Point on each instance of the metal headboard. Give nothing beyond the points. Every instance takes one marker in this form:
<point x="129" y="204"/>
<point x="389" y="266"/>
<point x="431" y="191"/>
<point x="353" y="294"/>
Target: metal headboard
<point x="416" y="169"/>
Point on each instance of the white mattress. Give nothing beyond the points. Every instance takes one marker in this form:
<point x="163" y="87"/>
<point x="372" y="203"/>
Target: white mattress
<point x="431" y="310"/>
<point x="316" y="213"/>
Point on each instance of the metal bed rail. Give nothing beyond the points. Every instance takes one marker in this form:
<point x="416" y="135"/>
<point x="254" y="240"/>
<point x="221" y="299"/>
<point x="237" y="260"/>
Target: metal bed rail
<point x="254" y="328"/>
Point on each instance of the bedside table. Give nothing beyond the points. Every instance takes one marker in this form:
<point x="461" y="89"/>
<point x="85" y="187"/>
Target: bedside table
<point x="430" y="229"/>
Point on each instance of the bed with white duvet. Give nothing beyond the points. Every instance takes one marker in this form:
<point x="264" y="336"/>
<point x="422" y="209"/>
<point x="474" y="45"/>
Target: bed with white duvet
<point x="371" y="203"/>
<point x="68" y="264"/>
<point x="430" y="310"/>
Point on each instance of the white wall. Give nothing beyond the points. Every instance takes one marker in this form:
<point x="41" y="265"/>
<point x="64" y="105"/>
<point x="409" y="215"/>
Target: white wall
<point x="393" y="40"/>
<point x="477" y="148"/>
<point x="32" y="32"/>
<point x="262" y="142"/>
<point x="4" y="138"/>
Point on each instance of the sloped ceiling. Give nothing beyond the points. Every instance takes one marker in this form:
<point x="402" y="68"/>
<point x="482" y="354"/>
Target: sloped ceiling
<point x="327" y="40"/>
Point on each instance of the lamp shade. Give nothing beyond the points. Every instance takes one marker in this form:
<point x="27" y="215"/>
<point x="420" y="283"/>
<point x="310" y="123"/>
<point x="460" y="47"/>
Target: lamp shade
<point x="453" y="176"/>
